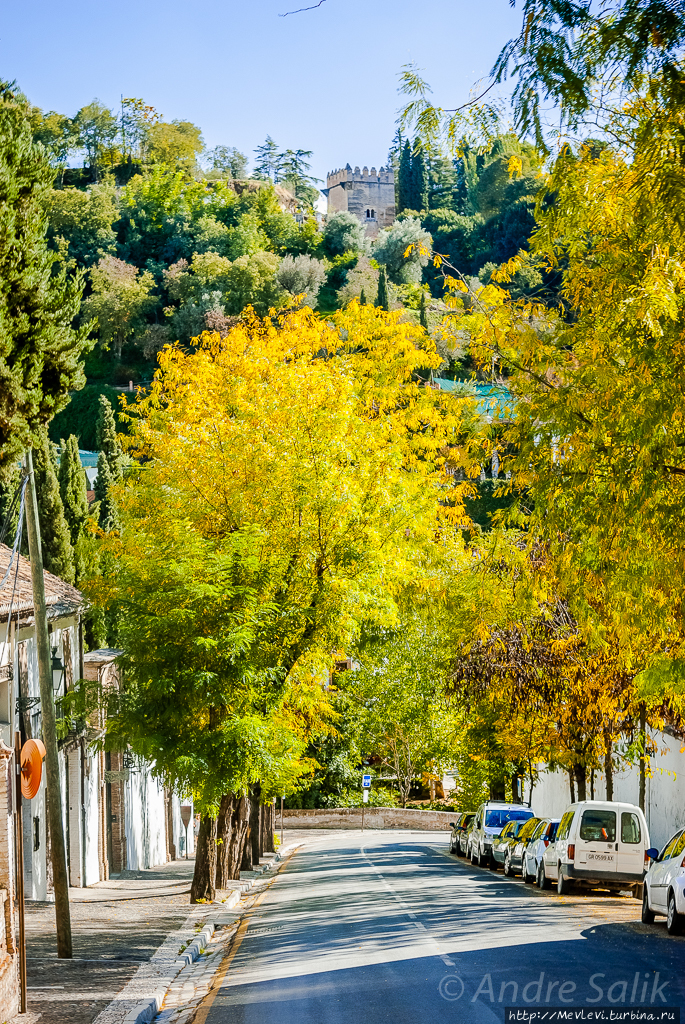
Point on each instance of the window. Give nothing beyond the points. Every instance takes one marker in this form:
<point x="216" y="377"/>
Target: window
<point x="679" y="846"/>
<point x="368" y="214"/>
<point x="496" y="819"/>
<point x="373" y="214"/>
<point x="630" y="828"/>
<point x="541" y="829"/>
<point x="598" y="826"/>
<point x="669" y="851"/>
<point x="551" y="833"/>
<point x="565" y="825"/>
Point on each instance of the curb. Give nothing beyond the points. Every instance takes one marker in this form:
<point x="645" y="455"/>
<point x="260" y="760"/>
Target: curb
<point x="147" y="1009"/>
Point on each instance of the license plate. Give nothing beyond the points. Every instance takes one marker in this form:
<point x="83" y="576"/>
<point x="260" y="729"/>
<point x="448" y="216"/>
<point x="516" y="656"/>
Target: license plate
<point x="605" y="858"/>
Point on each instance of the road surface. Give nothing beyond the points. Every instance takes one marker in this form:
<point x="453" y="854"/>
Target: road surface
<point x="390" y="927"/>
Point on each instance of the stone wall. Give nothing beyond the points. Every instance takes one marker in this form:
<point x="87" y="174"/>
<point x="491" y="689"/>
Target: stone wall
<point x="374" y="817"/>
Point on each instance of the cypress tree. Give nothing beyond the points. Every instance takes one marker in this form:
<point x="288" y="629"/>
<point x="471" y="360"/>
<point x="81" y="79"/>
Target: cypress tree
<point x="58" y="554"/>
<point x="8" y="510"/>
<point x="423" y="312"/>
<point x="73" y="491"/>
<point x="107" y="515"/>
<point x="419" y="182"/>
<point x="107" y="441"/>
<point x="404" y="182"/>
<point x="362" y="298"/>
<point x="40" y="352"/>
<point x="383" y="300"/>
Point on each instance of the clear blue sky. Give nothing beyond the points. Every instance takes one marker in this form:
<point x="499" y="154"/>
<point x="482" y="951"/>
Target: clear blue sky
<point x="324" y="80"/>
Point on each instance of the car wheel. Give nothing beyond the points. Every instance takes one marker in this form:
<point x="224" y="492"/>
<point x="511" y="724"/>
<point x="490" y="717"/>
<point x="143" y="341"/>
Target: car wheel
<point x="647" y="914"/>
<point x="472" y="856"/>
<point x="563" y="883"/>
<point x="528" y="879"/>
<point x="674" y="920"/>
<point x="542" y="879"/>
<point x="507" y="865"/>
<point x="482" y="859"/>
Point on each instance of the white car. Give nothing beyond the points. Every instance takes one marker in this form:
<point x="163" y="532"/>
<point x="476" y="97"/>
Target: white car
<point x="533" y="857"/>
<point x="664" y="888"/>
<point x="599" y="843"/>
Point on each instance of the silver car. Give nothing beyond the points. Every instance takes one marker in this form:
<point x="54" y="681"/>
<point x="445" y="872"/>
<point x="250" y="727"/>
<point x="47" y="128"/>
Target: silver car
<point x="664" y="887"/>
<point x="534" y="856"/>
<point x="491" y="817"/>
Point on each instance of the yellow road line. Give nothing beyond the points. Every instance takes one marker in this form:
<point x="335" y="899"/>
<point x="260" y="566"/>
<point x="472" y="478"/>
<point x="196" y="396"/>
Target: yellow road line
<point x="203" y="1012"/>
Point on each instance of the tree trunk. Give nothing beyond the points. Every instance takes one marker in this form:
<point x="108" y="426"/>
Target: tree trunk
<point x="239" y="819"/>
<point x="497" y="790"/>
<point x="223" y="840"/>
<point x="580" y="776"/>
<point x="572" y="787"/>
<point x="269" y="815"/>
<point x="608" y="765"/>
<point x="246" y="862"/>
<point x="202" y="889"/>
<point x="643" y="757"/>
<point x="255" y="822"/>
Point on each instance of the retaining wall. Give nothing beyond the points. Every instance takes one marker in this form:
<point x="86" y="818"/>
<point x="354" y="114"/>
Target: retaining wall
<point x="374" y="817"/>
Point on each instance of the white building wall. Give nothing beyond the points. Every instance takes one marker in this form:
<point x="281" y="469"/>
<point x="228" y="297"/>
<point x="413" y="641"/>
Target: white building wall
<point x="145" y="820"/>
<point x="665" y="789"/>
<point x="91" y="812"/>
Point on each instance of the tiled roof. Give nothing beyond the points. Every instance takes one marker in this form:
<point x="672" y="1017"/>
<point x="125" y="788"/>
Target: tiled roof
<point x="60" y="597"/>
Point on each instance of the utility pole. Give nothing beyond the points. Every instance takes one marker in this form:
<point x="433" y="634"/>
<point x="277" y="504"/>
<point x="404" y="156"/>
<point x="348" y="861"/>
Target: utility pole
<point x="47" y="701"/>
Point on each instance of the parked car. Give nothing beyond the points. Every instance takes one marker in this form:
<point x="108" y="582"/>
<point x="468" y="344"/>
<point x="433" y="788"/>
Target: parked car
<point x="664" y="888"/>
<point x="599" y="843"/>
<point x="491" y="817"/>
<point x="513" y="858"/>
<point x="465" y="837"/>
<point x="458" y="827"/>
<point x="540" y="841"/>
<point x="500" y="843"/>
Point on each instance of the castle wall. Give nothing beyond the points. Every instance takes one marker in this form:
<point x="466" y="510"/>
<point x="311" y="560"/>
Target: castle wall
<point x="370" y="196"/>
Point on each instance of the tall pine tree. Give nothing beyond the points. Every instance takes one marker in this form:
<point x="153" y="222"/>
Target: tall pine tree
<point x="404" y="180"/>
<point x="58" y="554"/>
<point x="107" y="514"/>
<point x="40" y="352"/>
<point x="383" y="300"/>
<point x="107" y="440"/>
<point x="419" y="182"/>
<point x="423" y="312"/>
<point x="73" y="491"/>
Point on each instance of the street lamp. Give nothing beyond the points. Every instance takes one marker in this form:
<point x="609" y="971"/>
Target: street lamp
<point x="57" y="671"/>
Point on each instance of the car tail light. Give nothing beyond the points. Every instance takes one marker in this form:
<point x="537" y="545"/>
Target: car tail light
<point x="648" y="860"/>
<point x="682" y="863"/>
<point x="571" y="851"/>
<point x="546" y="842"/>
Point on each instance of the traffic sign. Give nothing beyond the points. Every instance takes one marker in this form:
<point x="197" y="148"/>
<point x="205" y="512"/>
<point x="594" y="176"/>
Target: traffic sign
<point x="366" y="781"/>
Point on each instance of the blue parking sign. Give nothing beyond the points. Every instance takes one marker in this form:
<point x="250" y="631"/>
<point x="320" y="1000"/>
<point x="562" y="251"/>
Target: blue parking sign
<point x="366" y="781"/>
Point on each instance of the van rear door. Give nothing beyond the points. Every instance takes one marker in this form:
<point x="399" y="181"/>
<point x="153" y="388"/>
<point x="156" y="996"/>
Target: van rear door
<point x="596" y="843"/>
<point x="631" y="843"/>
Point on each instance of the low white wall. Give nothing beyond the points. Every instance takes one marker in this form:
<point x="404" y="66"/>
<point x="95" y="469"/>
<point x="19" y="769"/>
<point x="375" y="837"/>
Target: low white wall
<point x="374" y="817"/>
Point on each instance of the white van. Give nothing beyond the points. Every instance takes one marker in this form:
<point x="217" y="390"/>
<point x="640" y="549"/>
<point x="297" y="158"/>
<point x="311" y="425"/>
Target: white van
<point x="600" y="843"/>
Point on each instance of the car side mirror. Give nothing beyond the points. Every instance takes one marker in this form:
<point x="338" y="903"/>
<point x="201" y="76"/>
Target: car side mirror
<point x="652" y="853"/>
<point x="452" y="824"/>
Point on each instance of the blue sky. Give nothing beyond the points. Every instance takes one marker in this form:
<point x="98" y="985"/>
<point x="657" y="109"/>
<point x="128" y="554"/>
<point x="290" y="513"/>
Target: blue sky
<point x="324" y="80"/>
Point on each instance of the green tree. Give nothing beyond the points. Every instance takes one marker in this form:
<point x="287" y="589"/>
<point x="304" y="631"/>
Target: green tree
<point x="229" y="162"/>
<point x="108" y="518"/>
<point x="405" y="183"/>
<point x="343" y="234"/>
<point x="419" y="180"/>
<point x="97" y="130"/>
<point x="106" y="438"/>
<point x="57" y="133"/>
<point x="40" y="352"/>
<point x="177" y="144"/>
<point x="84" y="220"/>
<point x="383" y="299"/>
<point x="423" y="312"/>
<point x="268" y="160"/>
<point x="73" y="487"/>
<point x="404" y="250"/>
<point x="120" y="301"/>
<point x="58" y="554"/>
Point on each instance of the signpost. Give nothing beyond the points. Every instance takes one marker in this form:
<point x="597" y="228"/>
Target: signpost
<point x="282" y="799"/>
<point x="186" y="814"/>
<point x="366" y="786"/>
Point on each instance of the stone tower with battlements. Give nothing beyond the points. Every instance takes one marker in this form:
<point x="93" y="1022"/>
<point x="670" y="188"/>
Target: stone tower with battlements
<point x="370" y="196"/>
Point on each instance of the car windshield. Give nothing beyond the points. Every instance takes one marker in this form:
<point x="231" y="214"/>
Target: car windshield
<point x="496" y="819"/>
<point x="598" y="826"/>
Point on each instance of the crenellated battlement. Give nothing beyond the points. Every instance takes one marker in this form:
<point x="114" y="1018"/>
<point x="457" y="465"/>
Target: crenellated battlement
<point x="345" y="174"/>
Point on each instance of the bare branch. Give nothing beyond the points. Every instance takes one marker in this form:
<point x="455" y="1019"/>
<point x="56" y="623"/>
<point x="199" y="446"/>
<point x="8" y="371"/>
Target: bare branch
<point x="301" y="9"/>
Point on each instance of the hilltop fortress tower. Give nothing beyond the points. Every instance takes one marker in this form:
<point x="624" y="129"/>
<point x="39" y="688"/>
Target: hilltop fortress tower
<point x="369" y="196"/>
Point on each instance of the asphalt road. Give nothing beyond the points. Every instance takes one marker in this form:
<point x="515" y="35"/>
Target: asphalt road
<point x="390" y="927"/>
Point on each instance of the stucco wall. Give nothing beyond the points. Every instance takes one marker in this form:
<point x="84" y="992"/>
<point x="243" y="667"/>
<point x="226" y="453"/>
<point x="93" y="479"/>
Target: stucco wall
<point x="374" y="817"/>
